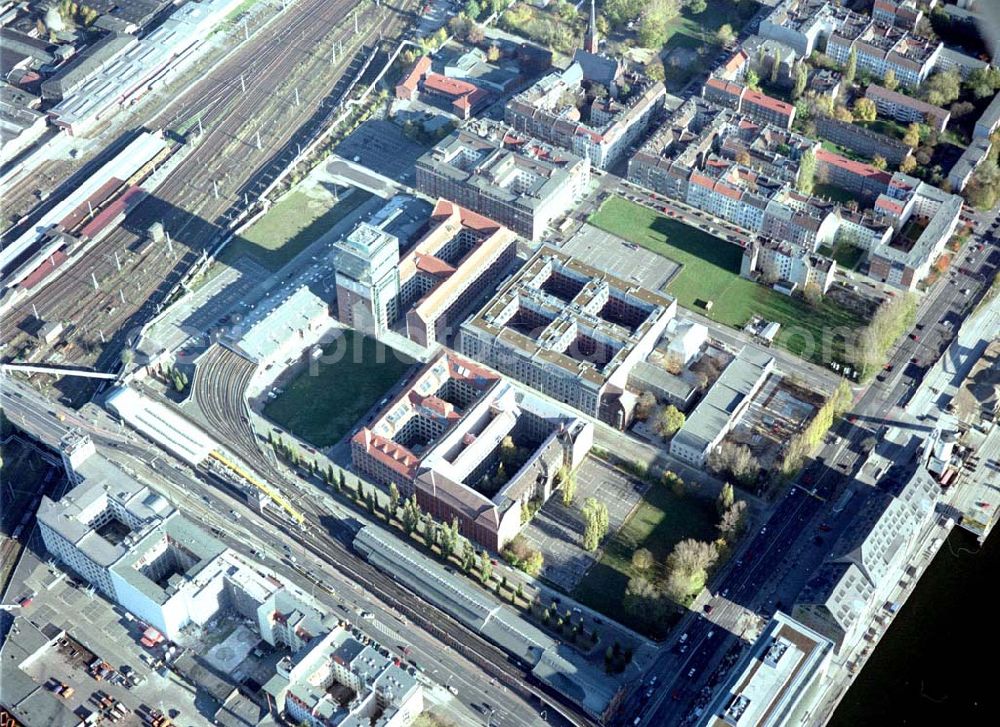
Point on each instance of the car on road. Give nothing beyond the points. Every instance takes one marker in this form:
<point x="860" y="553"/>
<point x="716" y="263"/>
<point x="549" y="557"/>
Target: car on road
<point x="708" y="608"/>
<point x="692" y="672"/>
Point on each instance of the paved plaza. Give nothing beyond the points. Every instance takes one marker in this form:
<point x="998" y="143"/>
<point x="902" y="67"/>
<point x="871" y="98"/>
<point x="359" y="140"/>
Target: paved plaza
<point x="557" y="530"/>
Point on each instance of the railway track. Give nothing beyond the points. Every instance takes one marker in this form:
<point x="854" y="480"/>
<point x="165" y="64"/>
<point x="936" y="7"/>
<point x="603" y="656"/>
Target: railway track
<point x="220" y="391"/>
<point x="494" y="662"/>
<point x="220" y="386"/>
<point x="248" y="114"/>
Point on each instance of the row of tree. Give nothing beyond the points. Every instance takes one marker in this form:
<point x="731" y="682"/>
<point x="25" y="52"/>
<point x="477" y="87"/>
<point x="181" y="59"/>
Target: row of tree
<point x="895" y="315"/>
<point x="805" y="442"/>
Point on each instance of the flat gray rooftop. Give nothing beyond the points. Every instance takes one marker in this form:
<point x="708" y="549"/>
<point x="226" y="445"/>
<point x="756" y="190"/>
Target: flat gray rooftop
<point x="609" y="252"/>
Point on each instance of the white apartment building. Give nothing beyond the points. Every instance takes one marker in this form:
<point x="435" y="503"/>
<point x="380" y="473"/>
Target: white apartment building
<point x="338" y="681"/>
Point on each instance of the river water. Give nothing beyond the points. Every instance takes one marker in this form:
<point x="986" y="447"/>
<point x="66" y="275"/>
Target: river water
<point x="936" y="664"/>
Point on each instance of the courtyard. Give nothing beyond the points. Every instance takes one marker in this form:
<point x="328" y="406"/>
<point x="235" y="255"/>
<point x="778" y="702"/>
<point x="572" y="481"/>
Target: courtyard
<point x="557" y="531"/>
<point x="659" y="521"/>
<point x="640" y="515"/>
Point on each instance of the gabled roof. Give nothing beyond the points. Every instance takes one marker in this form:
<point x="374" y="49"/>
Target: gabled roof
<point x="416" y="73"/>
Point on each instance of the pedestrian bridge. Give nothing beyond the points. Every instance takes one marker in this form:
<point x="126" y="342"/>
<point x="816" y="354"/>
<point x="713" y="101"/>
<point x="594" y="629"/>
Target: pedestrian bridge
<point x="57" y="371"/>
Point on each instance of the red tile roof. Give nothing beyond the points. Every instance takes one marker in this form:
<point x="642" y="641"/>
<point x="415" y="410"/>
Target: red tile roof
<point x="860" y="168"/>
<point x="735" y="63"/>
<point x="448" y="86"/>
<point x="702" y="180"/>
<point x="768" y="102"/>
<point x="433" y="265"/>
<point x="409" y="84"/>
<point x="733" y="89"/>
<point x="394" y="456"/>
<point x="473" y="220"/>
<point x="470" y="100"/>
<point x="889" y="204"/>
<point x="727" y="191"/>
<point x="42" y="271"/>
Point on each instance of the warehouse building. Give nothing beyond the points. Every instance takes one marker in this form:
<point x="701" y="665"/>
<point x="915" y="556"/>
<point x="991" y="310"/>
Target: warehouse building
<point x="722" y="408"/>
<point x="21" y="123"/>
<point x="128" y="73"/>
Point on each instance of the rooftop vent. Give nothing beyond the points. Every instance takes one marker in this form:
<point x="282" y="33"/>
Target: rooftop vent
<point x="775" y="652"/>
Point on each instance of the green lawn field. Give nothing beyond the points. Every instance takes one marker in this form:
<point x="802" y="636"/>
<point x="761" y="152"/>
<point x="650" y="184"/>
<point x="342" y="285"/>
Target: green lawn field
<point x="833" y="192"/>
<point x="298" y="219"/>
<point x="712" y="272"/>
<point x="690" y="30"/>
<point x="321" y="406"/>
<point x="661" y="520"/>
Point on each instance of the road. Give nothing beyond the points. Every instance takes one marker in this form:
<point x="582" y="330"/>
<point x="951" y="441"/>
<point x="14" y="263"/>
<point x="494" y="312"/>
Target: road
<point x="762" y="570"/>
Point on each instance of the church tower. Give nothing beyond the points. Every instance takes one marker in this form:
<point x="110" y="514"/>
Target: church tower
<point x="590" y="37"/>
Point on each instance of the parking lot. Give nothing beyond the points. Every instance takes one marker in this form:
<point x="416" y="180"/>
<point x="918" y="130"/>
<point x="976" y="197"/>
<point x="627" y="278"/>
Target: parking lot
<point x="436" y="15"/>
<point x="64" y="630"/>
<point x="557" y="530"/>
<point x="189" y="320"/>
<point x="630" y="262"/>
<point x="382" y="147"/>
